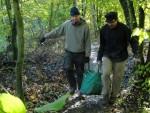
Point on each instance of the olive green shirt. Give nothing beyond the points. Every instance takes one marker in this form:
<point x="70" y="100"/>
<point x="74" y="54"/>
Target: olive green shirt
<point x="77" y="38"/>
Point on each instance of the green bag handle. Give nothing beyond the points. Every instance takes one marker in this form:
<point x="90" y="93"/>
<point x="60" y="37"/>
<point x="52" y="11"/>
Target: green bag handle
<point x="99" y="66"/>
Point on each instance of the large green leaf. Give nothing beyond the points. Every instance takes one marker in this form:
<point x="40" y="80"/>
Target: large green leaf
<point x="11" y="104"/>
<point x="54" y="106"/>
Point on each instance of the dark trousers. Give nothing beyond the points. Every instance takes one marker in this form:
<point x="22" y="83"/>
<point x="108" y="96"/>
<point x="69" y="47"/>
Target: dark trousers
<point x="74" y="68"/>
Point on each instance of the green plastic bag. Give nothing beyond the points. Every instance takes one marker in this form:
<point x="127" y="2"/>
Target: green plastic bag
<point x="92" y="83"/>
<point x="55" y="106"/>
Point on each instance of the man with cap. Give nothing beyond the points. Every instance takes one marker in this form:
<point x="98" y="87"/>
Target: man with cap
<point x="77" y="47"/>
<point x="114" y="40"/>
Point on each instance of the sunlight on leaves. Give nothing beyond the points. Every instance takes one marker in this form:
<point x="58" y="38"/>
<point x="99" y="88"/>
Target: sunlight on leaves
<point x="11" y="104"/>
<point x="141" y="33"/>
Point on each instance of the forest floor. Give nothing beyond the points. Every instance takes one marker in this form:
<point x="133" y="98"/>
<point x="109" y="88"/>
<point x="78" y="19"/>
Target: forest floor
<point x="44" y="80"/>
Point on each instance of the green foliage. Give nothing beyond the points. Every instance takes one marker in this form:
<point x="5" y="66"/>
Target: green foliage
<point x="11" y="104"/>
<point x="146" y="110"/>
<point x="141" y="34"/>
<point x="142" y="78"/>
<point x="42" y="16"/>
<point x="102" y="7"/>
<point x="3" y="44"/>
<point x="4" y="22"/>
<point x="54" y="106"/>
<point x="140" y="90"/>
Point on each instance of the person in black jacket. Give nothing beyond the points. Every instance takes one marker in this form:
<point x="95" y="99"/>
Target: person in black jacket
<point x="114" y="40"/>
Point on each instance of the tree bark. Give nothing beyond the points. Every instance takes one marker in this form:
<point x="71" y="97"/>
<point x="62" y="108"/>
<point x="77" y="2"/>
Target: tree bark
<point x="8" y="7"/>
<point x="125" y="7"/>
<point x="13" y="32"/>
<point x="99" y="14"/>
<point x="83" y="8"/>
<point x="75" y="3"/>
<point x="14" y="40"/>
<point x="20" y="45"/>
<point x="51" y="16"/>
<point x="141" y="25"/>
<point x="94" y="18"/>
<point x="132" y="13"/>
<point x="148" y="55"/>
<point x="141" y="17"/>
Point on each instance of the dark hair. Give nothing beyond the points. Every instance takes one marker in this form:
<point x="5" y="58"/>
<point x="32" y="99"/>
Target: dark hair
<point x="74" y="11"/>
<point x="110" y="16"/>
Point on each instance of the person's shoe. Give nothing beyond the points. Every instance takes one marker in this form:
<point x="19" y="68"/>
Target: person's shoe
<point x="76" y="96"/>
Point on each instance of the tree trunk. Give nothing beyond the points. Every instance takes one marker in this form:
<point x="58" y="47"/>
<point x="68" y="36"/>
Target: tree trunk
<point x="83" y="8"/>
<point x="132" y="14"/>
<point x="125" y="7"/>
<point x="51" y="16"/>
<point x="94" y="18"/>
<point x="98" y="14"/>
<point x="20" y="45"/>
<point x="141" y="17"/>
<point x="13" y="32"/>
<point x="75" y="3"/>
<point x="8" y="7"/>
<point x="129" y="13"/>
<point x="141" y="25"/>
<point x="14" y="40"/>
<point x="148" y="55"/>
